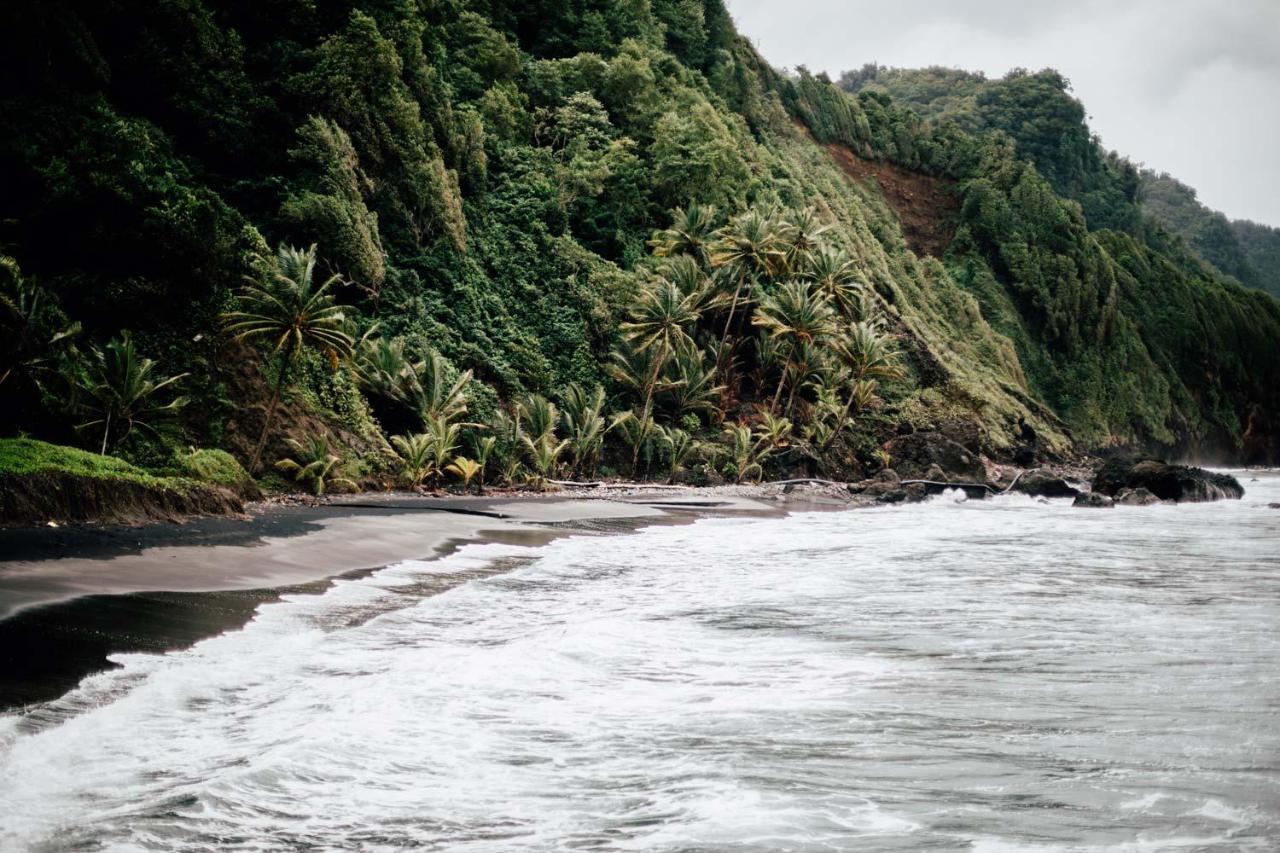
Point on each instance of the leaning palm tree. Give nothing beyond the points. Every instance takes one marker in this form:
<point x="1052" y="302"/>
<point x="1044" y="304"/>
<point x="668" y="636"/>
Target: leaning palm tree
<point x="312" y="462"/>
<point x="691" y="233"/>
<point x="660" y="320"/>
<point x="835" y="275"/>
<point x="797" y="314"/>
<point x="751" y="249"/>
<point x="120" y="392"/>
<point x="295" y="313"/>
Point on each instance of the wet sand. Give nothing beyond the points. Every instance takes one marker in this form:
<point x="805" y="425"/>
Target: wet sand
<point x="72" y="597"/>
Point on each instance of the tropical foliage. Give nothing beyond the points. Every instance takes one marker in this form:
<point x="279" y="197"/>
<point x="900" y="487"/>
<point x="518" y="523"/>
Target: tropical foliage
<point x="574" y="240"/>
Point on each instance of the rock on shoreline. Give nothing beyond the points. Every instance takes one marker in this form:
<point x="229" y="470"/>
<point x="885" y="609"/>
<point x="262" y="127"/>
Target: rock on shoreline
<point x="1165" y="482"/>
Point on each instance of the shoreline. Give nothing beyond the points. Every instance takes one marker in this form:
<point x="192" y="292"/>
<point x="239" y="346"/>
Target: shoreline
<point x="72" y="597"/>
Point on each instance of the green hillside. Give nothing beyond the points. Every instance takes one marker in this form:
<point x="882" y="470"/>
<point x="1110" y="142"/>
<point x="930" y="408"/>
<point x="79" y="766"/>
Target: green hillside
<point x="515" y="205"/>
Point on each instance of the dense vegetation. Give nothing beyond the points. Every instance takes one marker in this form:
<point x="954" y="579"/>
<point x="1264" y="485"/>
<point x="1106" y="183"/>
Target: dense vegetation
<point x="1047" y="126"/>
<point x="563" y="239"/>
<point x="1244" y="250"/>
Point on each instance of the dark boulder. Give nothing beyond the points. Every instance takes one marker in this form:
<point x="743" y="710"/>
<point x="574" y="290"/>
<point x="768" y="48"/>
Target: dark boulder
<point x="1094" y="500"/>
<point x="894" y="496"/>
<point x="1166" y="482"/>
<point x="1136" y="497"/>
<point x="1042" y="484"/>
<point x="913" y="456"/>
<point x="883" y="482"/>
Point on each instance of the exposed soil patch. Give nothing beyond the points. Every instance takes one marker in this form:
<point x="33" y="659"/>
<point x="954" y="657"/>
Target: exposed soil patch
<point x="66" y="497"/>
<point x="927" y="207"/>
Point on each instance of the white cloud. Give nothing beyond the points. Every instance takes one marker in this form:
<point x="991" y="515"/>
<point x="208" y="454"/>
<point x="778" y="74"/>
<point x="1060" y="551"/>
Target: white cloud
<point x="1191" y="87"/>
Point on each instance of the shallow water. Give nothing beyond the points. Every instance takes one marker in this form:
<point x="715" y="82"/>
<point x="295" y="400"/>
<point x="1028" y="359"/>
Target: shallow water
<point x="995" y="676"/>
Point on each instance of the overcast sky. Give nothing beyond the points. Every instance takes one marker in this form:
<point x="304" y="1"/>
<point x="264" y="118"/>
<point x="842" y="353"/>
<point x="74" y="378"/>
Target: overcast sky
<point x="1189" y="87"/>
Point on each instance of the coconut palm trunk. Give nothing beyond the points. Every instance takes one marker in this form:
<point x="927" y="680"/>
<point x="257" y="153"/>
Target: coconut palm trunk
<point x="728" y="324"/>
<point x="271" y="410"/>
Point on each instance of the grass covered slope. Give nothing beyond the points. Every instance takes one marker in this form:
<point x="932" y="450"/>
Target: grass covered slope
<point x="484" y="179"/>
<point x="42" y="482"/>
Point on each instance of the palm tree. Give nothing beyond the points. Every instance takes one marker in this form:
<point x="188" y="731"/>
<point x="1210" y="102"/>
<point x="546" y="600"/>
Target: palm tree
<point x="659" y="321"/>
<point x="807" y="364"/>
<point x="33" y="331"/>
<point x="436" y="391"/>
<point x="835" y="275"/>
<point x="688" y="277"/>
<point x="797" y="314"/>
<point x="537" y="415"/>
<point x="804" y="230"/>
<point x="414" y="452"/>
<point x="679" y="445"/>
<point x="444" y="440"/>
<point x="772" y="434"/>
<point x="313" y="461"/>
<point x="383" y="369"/>
<point x="291" y="310"/>
<point x="747" y="455"/>
<point x="691" y="233"/>
<point x="465" y="470"/>
<point x="638" y="431"/>
<point x="689" y="385"/>
<point x="583" y="416"/>
<point x="749" y="247"/>
<point x="867" y="353"/>
<point x="484" y="449"/>
<point x="121" y="391"/>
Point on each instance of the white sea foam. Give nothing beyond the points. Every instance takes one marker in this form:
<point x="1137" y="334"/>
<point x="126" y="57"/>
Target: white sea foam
<point x="1000" y="675"/>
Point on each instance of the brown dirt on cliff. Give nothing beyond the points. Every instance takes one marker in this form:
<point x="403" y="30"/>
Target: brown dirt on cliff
<point x="927" y="207"/>
<point x="27" y="499"/>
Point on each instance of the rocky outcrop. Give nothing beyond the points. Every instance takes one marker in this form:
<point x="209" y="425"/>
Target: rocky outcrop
<point x="1043" y="484"/>
<point x="1167" y="482"/>
<point x="1093" y="500"/>
<point x="882" y="483"/>
<point x="1136" y="497"/>
<point x="915" y="454"/>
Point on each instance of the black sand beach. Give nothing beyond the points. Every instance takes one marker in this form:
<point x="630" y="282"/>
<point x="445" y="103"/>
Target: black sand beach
<point x="71" y="597"/>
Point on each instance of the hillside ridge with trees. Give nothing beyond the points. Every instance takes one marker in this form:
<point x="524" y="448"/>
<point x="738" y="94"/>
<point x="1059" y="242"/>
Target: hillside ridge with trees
<point x="455" y="242"/>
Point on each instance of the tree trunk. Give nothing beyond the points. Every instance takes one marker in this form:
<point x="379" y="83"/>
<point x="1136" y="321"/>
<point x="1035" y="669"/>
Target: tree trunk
<point x="647" y="413"/>
<point x="777" y="395"/>
<point x="106" y="432"/>
<point x="733" y="308"/>
<point x="271" y="411"/>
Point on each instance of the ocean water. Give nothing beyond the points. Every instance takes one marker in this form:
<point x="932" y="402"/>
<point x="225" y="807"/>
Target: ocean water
<point x="1008" y="675"/>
